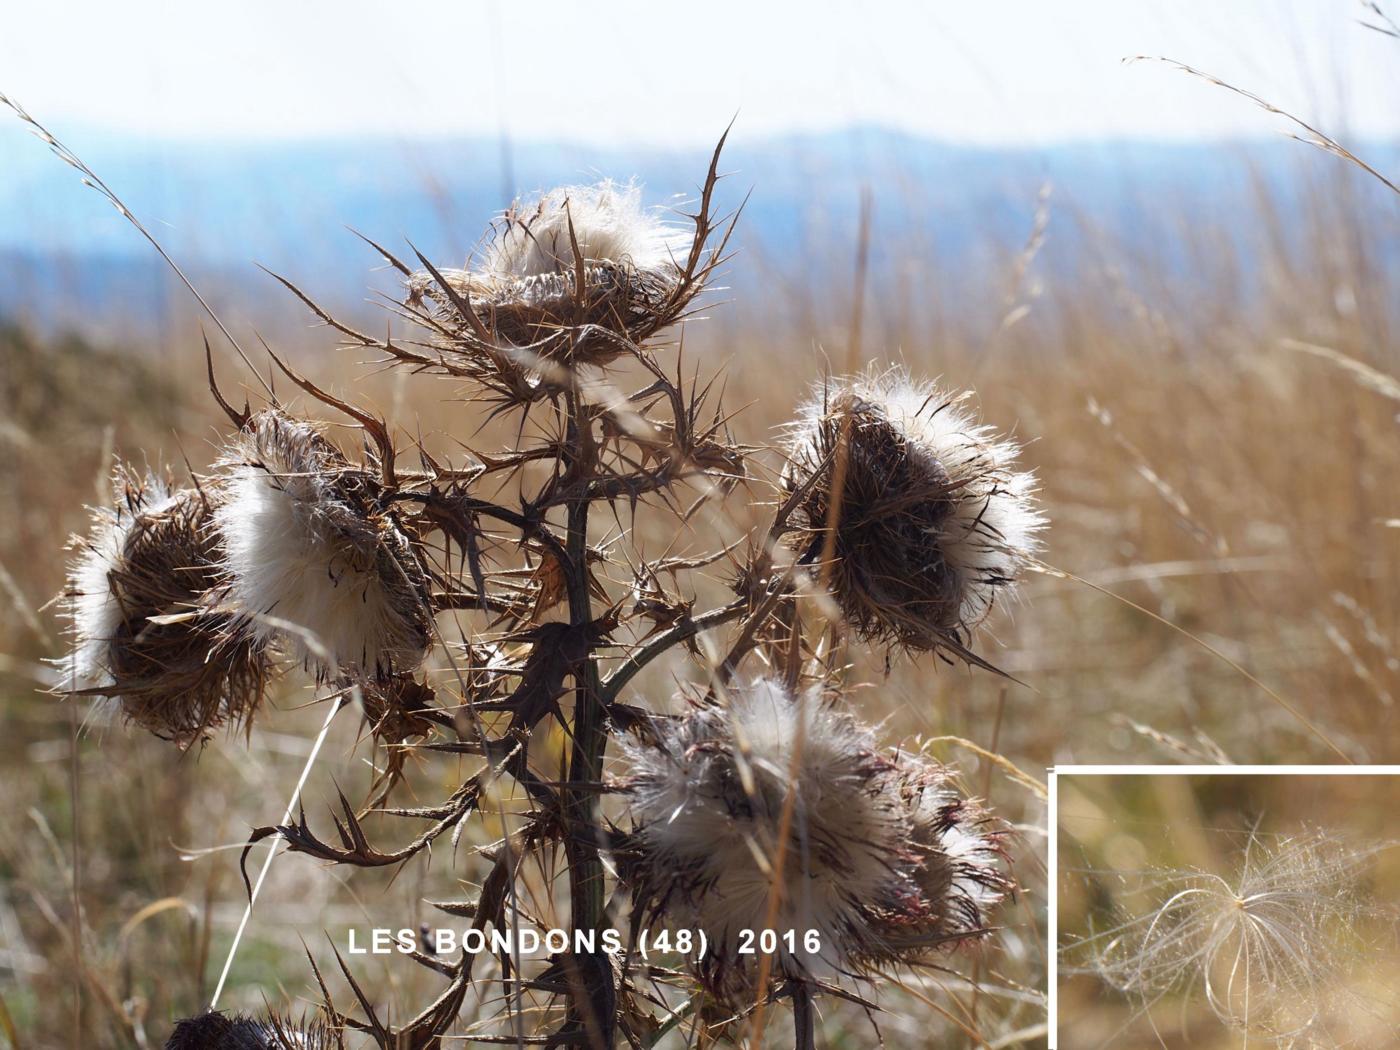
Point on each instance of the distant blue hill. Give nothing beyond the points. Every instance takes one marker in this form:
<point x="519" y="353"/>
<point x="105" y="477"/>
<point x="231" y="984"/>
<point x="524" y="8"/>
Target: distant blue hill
<point x="66" y="257"/>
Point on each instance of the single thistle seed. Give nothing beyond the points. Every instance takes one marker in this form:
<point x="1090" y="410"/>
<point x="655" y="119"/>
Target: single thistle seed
<point x="311" y="558"/>
<point x="527" y="290"/>
<point x="217" y="1031"/>
<point x="883" y="861"/>
<point x="1269" y="948"/>
<point x="934" y="524"/>
<point x="144" y="633"/>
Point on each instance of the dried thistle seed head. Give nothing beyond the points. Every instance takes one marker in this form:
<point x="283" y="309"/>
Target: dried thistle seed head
<point x="144" y="632"/>
<point x="395" y="707"/>
<point x="935" y="522"/>
<point x="872" y="861"/>
<point x="526" y="289"/>
<point x="707" y="803"/>
<point x="310" y="557"/>
<point x="217" y="1031"/>
<point x="956" y="868"/>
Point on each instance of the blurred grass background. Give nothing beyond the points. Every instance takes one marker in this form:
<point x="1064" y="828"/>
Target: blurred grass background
<point x="1115" y="829"/>
<point x="1197" y="460"/>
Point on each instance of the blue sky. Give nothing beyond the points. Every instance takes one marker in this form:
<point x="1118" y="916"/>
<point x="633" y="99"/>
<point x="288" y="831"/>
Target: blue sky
<point x="670" y="74"/>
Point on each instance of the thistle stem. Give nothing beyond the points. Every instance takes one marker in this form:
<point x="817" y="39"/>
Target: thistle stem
<point x="804" y="1021"/>
<point x="668" y="640"/>
<point x="593" y="999"/>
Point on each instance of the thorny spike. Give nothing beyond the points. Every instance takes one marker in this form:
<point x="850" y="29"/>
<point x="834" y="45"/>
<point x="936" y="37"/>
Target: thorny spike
<point x="377" y="429"/>
<point x="239" y="419"/>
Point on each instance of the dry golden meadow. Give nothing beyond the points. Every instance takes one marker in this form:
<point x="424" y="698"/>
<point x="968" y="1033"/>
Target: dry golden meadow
<point x="1217" y="455"/>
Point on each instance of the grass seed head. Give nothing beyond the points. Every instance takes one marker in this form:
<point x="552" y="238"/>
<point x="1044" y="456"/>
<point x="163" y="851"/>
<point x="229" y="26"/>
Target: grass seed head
<point x="935" y="522"/>
<point x="144" y="631"/>
<point x="306" y="544"/>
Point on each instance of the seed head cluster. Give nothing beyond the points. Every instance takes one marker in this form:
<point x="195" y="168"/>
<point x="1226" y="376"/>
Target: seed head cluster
<point x="181" y="599"/>
<point x="883" y="859"/>
<point x="934" y="523"/>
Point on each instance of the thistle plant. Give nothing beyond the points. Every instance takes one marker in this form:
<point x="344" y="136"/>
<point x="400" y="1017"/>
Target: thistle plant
<point x="768" y="804"/>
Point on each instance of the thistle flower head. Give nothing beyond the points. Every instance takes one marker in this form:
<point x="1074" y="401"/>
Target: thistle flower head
<point x="872" y="864"/>
<point x="144" y="633"/>
<point x="527" y="289"/>
<point x="935" y="523"/>
<point x="217" y="1031"/>
<point x="1268" y="947"/>
<point x="309" y="557"/>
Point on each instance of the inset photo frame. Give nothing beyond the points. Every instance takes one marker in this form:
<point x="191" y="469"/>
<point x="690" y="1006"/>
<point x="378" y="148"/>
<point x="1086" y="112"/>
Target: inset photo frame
<point x="1224" y="907"/>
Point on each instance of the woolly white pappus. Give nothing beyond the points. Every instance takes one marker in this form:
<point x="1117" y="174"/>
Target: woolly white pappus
<point x="609" y="224"/>
<point x="303" y="548"/>
<point x="94" y="606"/>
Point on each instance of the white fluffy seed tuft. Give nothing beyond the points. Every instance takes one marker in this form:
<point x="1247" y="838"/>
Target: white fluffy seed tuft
<point x="307" y="561"/>
<point x="609" y="224"/>
<point x="94" y="605"/>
